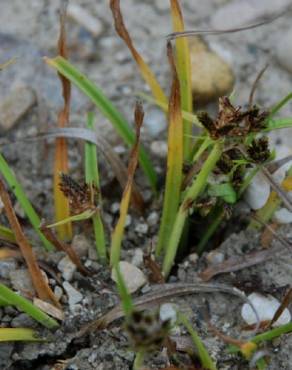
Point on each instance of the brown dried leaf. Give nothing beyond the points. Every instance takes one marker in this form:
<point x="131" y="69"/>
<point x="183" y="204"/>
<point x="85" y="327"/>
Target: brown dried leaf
<point x="61" y="153"/>
<point x="284" y="304"/>
<point x="268" y="235"/>
<point x="144" y="68"/>
<point x="42" y="288"/>
<point x="9" y="253"/>
<point x="61" y="246"/>
<point x="156" y="275"/>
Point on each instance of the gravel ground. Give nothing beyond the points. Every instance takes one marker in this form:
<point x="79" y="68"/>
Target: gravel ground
<point x="28" y="31"/>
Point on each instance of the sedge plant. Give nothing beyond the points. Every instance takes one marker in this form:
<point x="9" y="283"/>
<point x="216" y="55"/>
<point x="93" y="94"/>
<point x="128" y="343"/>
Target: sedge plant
<point x="223" y="159"/>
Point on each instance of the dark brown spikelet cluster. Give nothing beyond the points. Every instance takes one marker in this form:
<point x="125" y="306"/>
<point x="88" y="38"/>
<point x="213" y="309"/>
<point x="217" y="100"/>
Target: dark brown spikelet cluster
<point x="233" y="121"/>
<point x="81" y="197"/>
<point x="146" y="331"/>
<point x="259" y="151"/>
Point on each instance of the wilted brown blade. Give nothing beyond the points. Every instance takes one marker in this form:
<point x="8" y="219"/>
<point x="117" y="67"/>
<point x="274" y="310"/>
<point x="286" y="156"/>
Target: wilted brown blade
<point x="61" y="246"/>
<point x="42" y="288"/>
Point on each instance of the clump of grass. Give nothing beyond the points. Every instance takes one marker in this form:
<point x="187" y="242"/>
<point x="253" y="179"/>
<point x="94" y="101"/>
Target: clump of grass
<point x="231" y="145"/>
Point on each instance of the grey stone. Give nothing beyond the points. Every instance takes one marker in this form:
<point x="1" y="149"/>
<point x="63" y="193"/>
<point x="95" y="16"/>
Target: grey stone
<point x="21" y="281"/>
<point x="141" y="228"/>
<point x="153" y="218"/>
<point x="81" y="245"/>
<point x="23" y="321"/>
<point x="155" y="122"/>
<point x="159" y="148"/>
<point x="284" y="51"/>
<point x="67" y="268"/>
<point x="16" y="104"/>
<point x="74" y="296"/>
<point x="6" y="266"/>
<point x="134" y="277"/>
<point x="244" y="12"/>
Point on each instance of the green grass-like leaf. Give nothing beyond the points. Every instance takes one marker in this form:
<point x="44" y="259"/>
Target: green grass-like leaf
<point x="19" y="334"/>
<point x="23" y="200"/>
<point x="204" y="356"/>
<point x="92" y="179"/>
<point x="7" y="295"/>
<point x="191" y="194"/>
<point x="107" y="108"/>
<point x="279" y="123"/>
<point x="7" y="234"/>
<point x="174" y="163"/>
<point x="266" y="336"/>
<point x="126" y="299"/>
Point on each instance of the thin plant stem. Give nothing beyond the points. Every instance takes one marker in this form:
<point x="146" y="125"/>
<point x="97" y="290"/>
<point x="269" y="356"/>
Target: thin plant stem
<point x="139" y="359"/>
<point x="92" y="179"/>
<point x="280" y="105"/>
<point x="192" y="193"/>
<point x="23" y="200"/>
<point x="204" y="356"/>
<point x="216" y="221"/>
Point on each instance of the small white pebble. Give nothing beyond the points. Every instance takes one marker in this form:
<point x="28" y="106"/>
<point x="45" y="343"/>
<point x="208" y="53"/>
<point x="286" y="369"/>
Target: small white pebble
<point x="115" y="207"/>
<point x="141" y="228"/>
<point x="137" y="259"/>
<point x="73" y="295"/>
<point x="283" y="216"/>
<point x="193" y="257"/>
<point x="266" y="307"/>
<point x="67" y="268"/>
<point x="215" y="257"/>
<point x="167" y="311"/>
<point x="153" y="218"/>
<point x="257" y="192"/>
<point x="134" y="277"/>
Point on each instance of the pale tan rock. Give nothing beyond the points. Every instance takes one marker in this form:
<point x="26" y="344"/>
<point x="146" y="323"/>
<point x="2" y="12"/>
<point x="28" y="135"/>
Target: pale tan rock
<point x="134" y="277"/>
<point x="15" y="106"/>
<point x="212" y="76"/>
<point x="49" y="309"/>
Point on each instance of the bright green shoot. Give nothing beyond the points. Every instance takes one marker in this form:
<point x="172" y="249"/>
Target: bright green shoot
<point x="204" y="356"/>
<point x="11" y="298"/>
<point x="23" y="200"/>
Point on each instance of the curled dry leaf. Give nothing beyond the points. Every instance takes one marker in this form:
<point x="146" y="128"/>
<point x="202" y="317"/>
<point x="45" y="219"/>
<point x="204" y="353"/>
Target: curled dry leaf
<point x="162" y="293"/>
<point x="176" y="35"/>
<point x="41" y="286"/>
<point x="240" y="262"/>
<point x="144" y="68"/>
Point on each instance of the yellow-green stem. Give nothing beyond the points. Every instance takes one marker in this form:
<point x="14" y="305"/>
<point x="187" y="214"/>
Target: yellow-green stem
<point x="192" y="193"/>
<point x="92" y="179"/>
